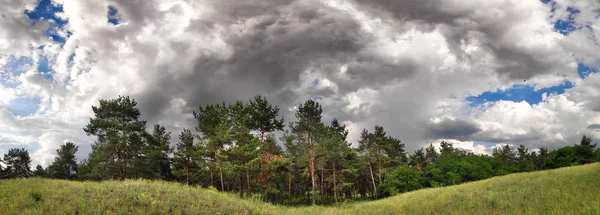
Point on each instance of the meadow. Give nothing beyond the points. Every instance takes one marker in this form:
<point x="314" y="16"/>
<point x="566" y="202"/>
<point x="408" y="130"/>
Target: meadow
<point x="568" y="190"/>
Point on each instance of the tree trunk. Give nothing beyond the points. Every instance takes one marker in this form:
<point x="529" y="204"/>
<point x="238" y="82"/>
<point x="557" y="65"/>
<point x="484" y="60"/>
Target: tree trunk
<point x="313" y="179"/>
<point x="187" y="175"/>
<point x="379" y="170"/>
<point x="335" y="196"/>
<point x="221" y="176"/>
<point x="290" y="187"/>
<point x="373" y="180"/>
<point x="241" y="187"/>
<point x="249" y="193"/>
<point x="322" y="187"/>
<point x="211" y="178"/>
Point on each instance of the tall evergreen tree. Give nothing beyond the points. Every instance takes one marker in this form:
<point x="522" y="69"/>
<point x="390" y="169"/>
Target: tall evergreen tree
<point x="185" y="154"/>
<point x="382" y="151"/>
<point x="505" y="152"/>
<point x="17" y="163"/>
<point x="540" y="161"/>
<point x="418" y="160"/>
<point x="307" y="133"/>
<point x="263" y="117"/>
<point x="446" y="148"/>
<point x="243" y="153"/>
<point x="525" y="162"/>
<point x="585" y="150"/>
<point x="157" y="153"/>
<point x="39" y="171"/>
<point x="431" y="154"/>
<point x="119" y="130"/>
<point x="215" y="126"/>
<point x="65" y="164"/>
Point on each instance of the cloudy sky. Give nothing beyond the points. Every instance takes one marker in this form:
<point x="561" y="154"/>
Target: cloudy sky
<point x="478" y="73"/>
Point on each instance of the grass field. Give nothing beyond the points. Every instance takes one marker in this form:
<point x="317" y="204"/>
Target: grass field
<point x="572" y="190"/>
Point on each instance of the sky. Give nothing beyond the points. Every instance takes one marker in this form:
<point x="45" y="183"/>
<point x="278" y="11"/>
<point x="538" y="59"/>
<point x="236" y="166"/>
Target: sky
<point x="478" y="73"/>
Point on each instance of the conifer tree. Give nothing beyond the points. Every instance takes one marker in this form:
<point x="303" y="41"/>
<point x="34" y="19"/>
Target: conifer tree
<point x="17" y="163"/>
<point x="185" y="154"/>
<point x="65" y="164"/>
<point x="119" y="130"/>
<point x="157" y="153"/>
<point x="306" y="134"/>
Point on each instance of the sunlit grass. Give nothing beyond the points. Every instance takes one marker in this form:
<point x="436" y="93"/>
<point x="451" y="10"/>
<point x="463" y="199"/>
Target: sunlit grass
<point x="573" y="190"/>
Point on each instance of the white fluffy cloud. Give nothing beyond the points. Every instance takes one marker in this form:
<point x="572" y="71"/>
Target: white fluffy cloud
<point x="405" y="66"/>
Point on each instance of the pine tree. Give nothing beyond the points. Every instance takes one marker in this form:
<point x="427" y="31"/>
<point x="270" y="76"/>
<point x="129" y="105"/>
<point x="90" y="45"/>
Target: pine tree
<point x="263" y="117"/>
<point x="185" y="154"/>
<point x="585" y="150"/>
<point x="65" y="164"/>
<point x="431" y="154"/>
<point x="505" y="153"/>
<point x="446" y="148"/>
<point x="244" y="151"/>
<point x="17" y="163"/>
<point x="418" y="160"/>
<point x="214" y="124"/>
<point x="525" y="162"/>
<point x="540" y="161"/>
<point x="119" y="130"/>
<point x="306" y="134"/>
<point x="157" y="153"/>
<point x="383" y="152"/>
<point x="39" y="171"/>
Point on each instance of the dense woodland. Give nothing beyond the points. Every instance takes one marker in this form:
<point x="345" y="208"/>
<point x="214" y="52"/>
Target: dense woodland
<point x="233" y="149"/>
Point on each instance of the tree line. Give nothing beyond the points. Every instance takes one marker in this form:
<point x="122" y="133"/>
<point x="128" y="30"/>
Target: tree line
<point x="233" y="148"/>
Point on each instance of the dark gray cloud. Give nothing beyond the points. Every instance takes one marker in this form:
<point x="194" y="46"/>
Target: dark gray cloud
<point x="464" y="23"/>
<point x="282" y="41"/>
<point x="594" y="127"/>
<point x="398" y="64"/>
<point x="453" y="129"/>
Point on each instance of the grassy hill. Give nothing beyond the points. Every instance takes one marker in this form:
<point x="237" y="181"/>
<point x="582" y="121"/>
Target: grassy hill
<point x="572" y="190"/>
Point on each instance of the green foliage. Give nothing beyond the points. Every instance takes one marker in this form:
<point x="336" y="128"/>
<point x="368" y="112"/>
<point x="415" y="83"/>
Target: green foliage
<point x="157" y="152"/>
<point x="585" y="150"/>
<point x="118" y="151"/>
<point x="306" y="139"/>
<point x="235" y="150"/>
<point x="263" y="116"/>
<point x="562" y="157"/>
<point x="65" y="164"/>
<point x="381" y="154"/>
<point x="402" y="179"/>
<point x="184" y="156"/>
<point x="39" y="171"/>
<point x="17" y="163"/>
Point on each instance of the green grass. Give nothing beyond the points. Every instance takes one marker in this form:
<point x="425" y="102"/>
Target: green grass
<point x="572" y="190"/>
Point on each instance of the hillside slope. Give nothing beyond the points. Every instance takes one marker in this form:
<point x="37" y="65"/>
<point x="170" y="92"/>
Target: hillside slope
<point x="572" y="190"/>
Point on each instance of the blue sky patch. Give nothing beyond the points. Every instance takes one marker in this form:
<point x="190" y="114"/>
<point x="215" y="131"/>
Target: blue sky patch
<point x="112" y="15"/>
<point x="517" y="93"/>
<point x="44" y="67"/>
<point x="585" y="70"/>
<point x="567" y="26"/>
<point x="23" y="106"/>
<point x="315" y="82"/>
<point x="45" y="10"/>
<point x="486" y="144"/>
<point x="14" y="66"/>
<point x="315" y="98"/>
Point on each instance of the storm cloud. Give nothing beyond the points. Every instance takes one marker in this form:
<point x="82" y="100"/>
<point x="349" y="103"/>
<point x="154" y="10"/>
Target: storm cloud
<point x="405" y="65"/>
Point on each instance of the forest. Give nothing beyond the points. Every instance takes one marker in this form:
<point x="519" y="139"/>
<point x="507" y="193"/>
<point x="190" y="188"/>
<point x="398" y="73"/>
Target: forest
<point x="233" y="148"/>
